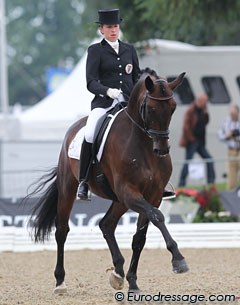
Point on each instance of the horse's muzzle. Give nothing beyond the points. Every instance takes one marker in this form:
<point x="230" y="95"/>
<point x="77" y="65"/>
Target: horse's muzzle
<point x="161" y="150"/>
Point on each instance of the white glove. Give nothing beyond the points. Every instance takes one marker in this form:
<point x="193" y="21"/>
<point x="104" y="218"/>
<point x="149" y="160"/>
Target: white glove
<point x="113" y="93"/>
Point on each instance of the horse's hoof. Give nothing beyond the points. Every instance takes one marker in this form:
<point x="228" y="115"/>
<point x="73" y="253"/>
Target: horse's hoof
<point x="116" y="281"/>
<point x="180" y="266"/>
<point x="61" y="289"/>
<point x="135" y="291"/>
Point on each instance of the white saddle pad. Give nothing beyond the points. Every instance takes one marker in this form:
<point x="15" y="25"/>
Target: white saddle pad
<point x="76" y="144"/>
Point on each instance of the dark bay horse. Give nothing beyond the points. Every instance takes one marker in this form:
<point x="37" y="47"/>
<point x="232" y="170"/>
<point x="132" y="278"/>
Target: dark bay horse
<point x="137" y="166"/>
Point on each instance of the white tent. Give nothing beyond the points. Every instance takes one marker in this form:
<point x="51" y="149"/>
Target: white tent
<point x="51" y="117"/>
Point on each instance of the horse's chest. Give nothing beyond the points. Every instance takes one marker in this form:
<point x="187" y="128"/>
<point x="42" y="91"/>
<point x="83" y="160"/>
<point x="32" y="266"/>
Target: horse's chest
<point x="151" y="178"/>
<point x="148" y="173"/>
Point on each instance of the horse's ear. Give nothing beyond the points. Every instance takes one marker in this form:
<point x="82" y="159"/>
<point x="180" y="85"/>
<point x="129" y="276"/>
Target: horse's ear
<point x="177" y="81"/>
<point x="149" y="84"/>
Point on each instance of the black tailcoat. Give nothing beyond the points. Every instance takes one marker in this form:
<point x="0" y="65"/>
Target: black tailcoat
<point x="106" y="69"/>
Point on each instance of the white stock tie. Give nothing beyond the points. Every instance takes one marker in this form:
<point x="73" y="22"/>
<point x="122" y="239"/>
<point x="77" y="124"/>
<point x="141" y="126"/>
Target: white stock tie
<point x="114" y="45"/>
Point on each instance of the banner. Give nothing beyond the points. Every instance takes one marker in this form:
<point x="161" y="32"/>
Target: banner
<point x="55" y="77"/>
<point x="84" y="213"/>
<point x="88" y="213"/>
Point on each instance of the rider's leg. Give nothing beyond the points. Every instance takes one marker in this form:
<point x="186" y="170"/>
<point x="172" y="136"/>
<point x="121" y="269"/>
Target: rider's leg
<point x="84" y="166"/>
<point x="86" y="151"/>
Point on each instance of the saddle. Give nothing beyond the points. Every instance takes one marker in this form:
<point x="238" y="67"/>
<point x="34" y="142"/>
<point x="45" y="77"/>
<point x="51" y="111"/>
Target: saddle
<point x="102" y="125"/>
<point x="98" y="137"/>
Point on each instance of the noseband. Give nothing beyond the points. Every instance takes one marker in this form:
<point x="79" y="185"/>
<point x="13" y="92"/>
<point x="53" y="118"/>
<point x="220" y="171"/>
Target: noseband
<point x="153" y="133"/>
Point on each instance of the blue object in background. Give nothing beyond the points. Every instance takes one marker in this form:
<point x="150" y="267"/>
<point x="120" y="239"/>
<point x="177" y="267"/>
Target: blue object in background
<point x="55" y="77"/>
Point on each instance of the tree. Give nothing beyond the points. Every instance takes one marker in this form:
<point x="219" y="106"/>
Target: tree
<point x="42" y="34"/>
<point x="200" y="22"/>
<point x="57" y="32"/>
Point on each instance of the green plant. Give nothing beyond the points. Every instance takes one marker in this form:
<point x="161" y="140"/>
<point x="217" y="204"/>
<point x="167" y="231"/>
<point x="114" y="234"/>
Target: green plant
<point x="210" y="205"/>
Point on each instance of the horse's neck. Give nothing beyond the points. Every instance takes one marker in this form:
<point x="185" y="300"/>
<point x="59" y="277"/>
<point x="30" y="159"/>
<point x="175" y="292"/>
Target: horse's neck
<point x="133" y="110"/>
<point x="136" y="126"/>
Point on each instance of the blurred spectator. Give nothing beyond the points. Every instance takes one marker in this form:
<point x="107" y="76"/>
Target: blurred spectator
<point x="230" y="134"/>
<point x="194" y="137"/>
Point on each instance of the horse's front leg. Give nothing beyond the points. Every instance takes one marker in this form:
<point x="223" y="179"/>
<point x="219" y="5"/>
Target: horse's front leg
<point x="108" y="225"/>
<point x="157" y="218"/>
<point x="138" y="243"/>
<point x="140" y="205"/>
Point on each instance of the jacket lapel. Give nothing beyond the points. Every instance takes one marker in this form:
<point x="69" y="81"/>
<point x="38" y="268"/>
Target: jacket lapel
<point x="107" y="47"/>
<point x="122" y="47"/>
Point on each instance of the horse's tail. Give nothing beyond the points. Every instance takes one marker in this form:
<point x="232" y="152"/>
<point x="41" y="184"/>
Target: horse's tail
<point x="44" y="212"/>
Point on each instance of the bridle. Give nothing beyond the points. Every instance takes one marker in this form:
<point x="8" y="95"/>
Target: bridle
<point x="152" y="133"/>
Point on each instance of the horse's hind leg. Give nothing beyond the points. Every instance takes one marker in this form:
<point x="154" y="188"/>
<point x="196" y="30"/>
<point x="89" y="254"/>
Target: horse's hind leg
<point x="138" y="243"/>
<point x="108" y="225"/>
<point x="65" y="204"/>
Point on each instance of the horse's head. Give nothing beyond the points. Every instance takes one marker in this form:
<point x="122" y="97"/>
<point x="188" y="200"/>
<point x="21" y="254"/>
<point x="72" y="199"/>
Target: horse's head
<point x="156" y="109"/>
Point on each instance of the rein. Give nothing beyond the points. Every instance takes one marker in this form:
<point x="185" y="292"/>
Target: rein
<point x="131" y="119"/>
<point x="152" y="133"/>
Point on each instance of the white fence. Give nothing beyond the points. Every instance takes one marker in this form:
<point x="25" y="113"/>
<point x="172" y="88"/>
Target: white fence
<point x="23" y="162"/>
<point x="203" y="235"/>
<point x="20" y="165"/>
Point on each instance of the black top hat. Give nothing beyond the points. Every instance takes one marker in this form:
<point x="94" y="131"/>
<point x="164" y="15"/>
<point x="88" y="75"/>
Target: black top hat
<point x="109" y="17"/>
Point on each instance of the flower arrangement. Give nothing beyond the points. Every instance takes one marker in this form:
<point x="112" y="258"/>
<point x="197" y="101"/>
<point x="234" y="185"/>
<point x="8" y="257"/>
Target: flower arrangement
<point x="210" y="205"/>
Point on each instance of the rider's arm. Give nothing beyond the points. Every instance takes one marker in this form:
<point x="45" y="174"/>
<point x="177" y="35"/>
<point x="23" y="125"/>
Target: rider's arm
<point x="92" y="72"/>
<point x="136" y="69"/>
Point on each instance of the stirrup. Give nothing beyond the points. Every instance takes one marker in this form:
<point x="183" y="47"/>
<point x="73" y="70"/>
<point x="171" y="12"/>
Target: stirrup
<point x="82" y="191"/>
<point x="169" y="194"/>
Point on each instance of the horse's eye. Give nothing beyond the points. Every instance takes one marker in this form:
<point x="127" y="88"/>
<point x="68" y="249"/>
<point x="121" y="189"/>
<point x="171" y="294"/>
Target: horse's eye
<point x="151" y="110"/>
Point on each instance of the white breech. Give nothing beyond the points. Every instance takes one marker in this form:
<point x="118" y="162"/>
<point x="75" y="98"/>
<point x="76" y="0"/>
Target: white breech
<point x="94" y="116"/>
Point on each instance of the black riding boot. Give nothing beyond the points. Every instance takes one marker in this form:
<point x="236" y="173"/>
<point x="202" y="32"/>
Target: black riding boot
<point x="85" y="163"/>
